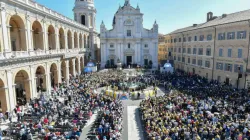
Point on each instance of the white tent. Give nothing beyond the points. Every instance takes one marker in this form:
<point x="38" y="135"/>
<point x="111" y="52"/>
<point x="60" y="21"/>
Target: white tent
<point x="167" y="68"/>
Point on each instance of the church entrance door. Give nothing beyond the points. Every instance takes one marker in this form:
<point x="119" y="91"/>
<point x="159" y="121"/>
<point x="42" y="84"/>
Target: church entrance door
<point x="129" y="60"/>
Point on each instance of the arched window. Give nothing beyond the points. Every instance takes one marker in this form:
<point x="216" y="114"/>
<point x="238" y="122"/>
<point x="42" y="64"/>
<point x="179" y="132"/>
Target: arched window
<point x="83" y="20"/>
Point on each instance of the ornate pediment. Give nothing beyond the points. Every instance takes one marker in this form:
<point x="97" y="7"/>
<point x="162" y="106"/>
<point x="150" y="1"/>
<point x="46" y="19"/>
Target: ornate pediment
<point x="129" y="52"/>
<point x="128" y="22"/>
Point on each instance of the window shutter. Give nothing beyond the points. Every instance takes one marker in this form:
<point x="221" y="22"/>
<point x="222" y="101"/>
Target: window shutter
<point x="233" y="35"/>
<point x="228" y="36"/>
<point x="225" y="68"/>
<point x="241" y="68"/>
<point x="238" y="35"/>
<point x="235" y="67"/>
<point x="244" y="34"/>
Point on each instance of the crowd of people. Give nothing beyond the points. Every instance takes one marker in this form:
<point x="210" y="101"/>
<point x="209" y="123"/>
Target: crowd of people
<point x="63" y="114"/>
<point x="196" y="109"/>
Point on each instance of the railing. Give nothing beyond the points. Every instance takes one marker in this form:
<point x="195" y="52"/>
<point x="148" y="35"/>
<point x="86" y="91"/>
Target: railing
<point x="53" y="51"/>
<point x="62" y="50"/>
<point x="20" y="54"/>
<point x="2" y="55"/>
<point x="39" y="52"/>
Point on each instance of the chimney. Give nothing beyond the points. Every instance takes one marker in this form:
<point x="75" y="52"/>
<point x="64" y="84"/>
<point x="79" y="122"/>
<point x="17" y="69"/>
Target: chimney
<point x="194" y="25"/>
<point x="209" y="16"/>
<point x="224" y="15"/>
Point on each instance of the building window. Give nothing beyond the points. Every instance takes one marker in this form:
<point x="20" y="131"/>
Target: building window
<point x="179" y="59"/>
<point x="179" y="39"/>
<point x="146" y="46"/>
<point x="221" y="36"/>
<point x="199" y="62"/>
<point x="179" y="50"/>
<point x="129" y="45"/>
<point x="183" y="59"/>
<point x="194" y="50"/>
<point x="128" y="32"/>
<point x="241" y="35"/>
<point x="230" y="35"/>
<point x="209" y="37"/>
<point x="239" y="53"/>
<point x="174" y="57"/>
<point x="183" y="50"/>
<point x="228" y="67"/>
<point x="174" y="49"/>
<point x="194" y="61"/>
<point x="189" y="39"/>
<point x="171" y="40"/>
<point x="184" y="39"/>
<point x="207" y="64"/>
<point x="200" y="51"/>
<point x="229" y="53"/>
<point x="175" y="40"/>
<point x="219" y="66"/>
<point x="220" y="52"/>
<point x="111" y="46"/>
<point x="201" y="37"/>
<point x="238" y="68"/>
<point x="188" y="60"/>
<point x="208" y="52"/>
<point x="189" y="50"/>
<point x="195" y="38"/>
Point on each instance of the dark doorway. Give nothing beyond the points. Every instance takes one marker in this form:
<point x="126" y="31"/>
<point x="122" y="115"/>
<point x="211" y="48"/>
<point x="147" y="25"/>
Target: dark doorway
<point x="129" y="60"/>
<point x="112" y="62"/>
<point x="193" y="70"/>
<point x="227" y="81"/>
<point x="83" y="20"/>
<point x="145" y="62"/>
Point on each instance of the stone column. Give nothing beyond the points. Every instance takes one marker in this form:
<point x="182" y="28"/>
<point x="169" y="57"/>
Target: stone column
<point x="59" y="71"/>
<point x="45" y="36"/>
<point x="66" y="42"/>
<point x="122" y="54"/>
<point x="83" y="61"/>
<point x="29" y="37"/>
<point x="73" y="43"/>
<point x="139" y="53"/>
<point x="33" y="82"/>
<point x="57" y="38"/>
<point x="79" y="66"/>
<point x="48" y="78"/>
<point x="11" y="90"/>
<point x="78" y="42"/>
<point x="67" y="72"/>
<point x="5" y="38"/>
<point x="74" y="66"/>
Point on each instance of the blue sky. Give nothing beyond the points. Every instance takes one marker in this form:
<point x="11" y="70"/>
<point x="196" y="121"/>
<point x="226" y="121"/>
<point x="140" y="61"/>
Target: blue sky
<point x="170" y="14"/>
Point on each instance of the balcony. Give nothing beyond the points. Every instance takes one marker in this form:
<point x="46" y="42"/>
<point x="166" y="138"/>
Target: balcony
<point x="19" y="54"/>
<point x="36" y="53"/>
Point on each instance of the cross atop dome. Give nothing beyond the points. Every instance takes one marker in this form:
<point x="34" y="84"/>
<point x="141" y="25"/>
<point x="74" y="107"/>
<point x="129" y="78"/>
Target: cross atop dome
<point x="127" y="2"/>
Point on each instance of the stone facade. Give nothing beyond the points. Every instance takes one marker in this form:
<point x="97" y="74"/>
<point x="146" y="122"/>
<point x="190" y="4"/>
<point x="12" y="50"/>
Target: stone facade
<point x="217" y="49"/>
<point x="162" y="50"/>
<point x="128" y="40"/>
<point x="39" y="49"/>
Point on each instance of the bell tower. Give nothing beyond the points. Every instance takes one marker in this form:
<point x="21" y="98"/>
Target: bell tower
<point x="85" y="13"/>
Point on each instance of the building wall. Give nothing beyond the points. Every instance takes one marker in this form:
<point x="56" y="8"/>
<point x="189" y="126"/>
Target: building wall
<point x="45" y="57"/>
<point x="211" y="71"/>
<point x="115" y="42"/>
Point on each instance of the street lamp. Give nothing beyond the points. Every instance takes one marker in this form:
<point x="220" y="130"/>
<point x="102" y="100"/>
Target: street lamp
<point x="98" y="65"/>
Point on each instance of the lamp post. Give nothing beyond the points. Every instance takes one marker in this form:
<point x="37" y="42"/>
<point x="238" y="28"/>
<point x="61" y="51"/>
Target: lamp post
<point x="98" y="65"/>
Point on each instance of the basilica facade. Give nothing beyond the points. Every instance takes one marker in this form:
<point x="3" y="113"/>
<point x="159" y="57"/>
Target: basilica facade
<point x="128" y="42"/>
<point x="40" y="48"/>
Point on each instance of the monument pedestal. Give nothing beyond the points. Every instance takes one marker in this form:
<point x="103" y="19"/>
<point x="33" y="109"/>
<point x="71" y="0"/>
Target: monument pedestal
<point x="119" y="66"/>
